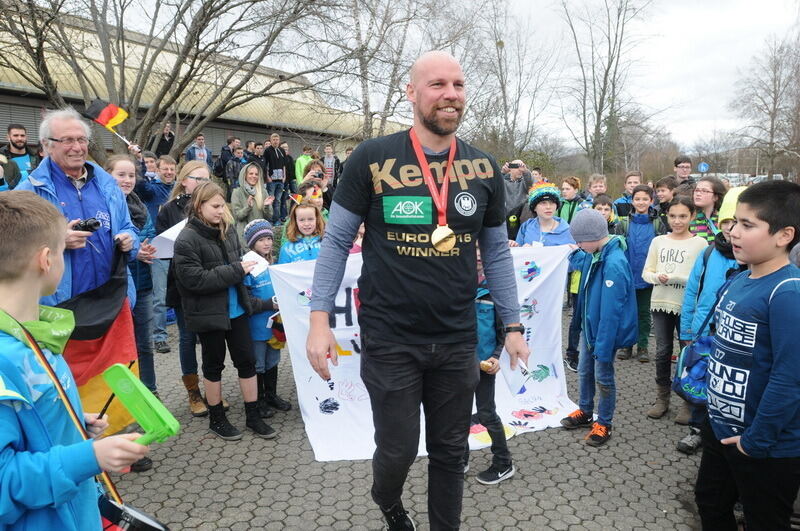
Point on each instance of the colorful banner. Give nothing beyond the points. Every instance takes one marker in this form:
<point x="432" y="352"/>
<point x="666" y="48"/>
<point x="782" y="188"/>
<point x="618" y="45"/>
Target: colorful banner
<point x="337" y="413"/>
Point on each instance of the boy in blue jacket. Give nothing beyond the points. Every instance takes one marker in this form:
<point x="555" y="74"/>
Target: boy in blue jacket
<point x="751" y="441"/>
<point x="46" y="468"/>
<point x="607" y="302"/>
<point x="490" y="344"/>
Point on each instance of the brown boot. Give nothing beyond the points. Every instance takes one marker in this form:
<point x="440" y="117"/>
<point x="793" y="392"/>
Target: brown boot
<point x="684" y="414"/>
<point x="196" y="403"/>
<point x="661" y="405"/>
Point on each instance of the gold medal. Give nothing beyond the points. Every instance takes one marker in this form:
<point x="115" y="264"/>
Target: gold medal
<point x="443" y="238"/>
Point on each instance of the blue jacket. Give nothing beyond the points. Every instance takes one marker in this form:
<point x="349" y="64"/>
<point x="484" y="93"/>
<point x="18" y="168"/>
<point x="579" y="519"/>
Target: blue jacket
<point x="639" y="230"/>
<point x="189" y="154"/>
<point x="153" y="193"/>
<point x="261" y="288"/>
<point x="696" y="305"/>
<point x="140" y="272"/>
<point x="41" y="182"/>
<point x="46" y="469"/>
<point x="607" y="299"/>
<point x="303" y="249"/>
<point x="530" y="232"/>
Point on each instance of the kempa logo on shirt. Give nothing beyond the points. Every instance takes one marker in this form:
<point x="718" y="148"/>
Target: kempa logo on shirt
<point x="466" y="204"/>
<point x="408" y="210"/>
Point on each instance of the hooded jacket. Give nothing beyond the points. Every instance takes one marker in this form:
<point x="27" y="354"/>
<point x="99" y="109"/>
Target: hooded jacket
<point x="639" y="230"/>
<point x="607" y="299"/>
<point x="46" y="468"/>
<point x="714" y="272"/>
<point x="41" y="183"/>
<point x="531" y="231"/>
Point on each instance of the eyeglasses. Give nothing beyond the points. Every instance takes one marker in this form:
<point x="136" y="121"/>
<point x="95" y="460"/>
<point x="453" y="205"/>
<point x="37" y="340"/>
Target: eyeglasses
<point x="701" y="191"/>
<point x="69" y="142"/>
<point x="684" y="167"/>
<point x="198" y="179"/>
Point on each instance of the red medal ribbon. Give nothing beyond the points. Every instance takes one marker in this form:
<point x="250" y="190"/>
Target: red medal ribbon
<point x="439" y="196"/>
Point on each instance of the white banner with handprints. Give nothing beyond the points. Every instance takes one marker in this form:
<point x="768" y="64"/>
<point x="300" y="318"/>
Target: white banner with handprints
<point x="337" y="413"/>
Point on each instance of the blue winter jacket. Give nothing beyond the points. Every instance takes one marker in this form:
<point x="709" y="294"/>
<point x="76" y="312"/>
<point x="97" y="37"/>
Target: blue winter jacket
<point x="190" y="154"/>
<point x="696" y="305"/>
<point x="140" y="272"/>
<point x="607" y="299"/>
<point x="640" y="232"/>
<point x="530" y="232"/>
<point x="153" y="194"/>
<point x="261" y="288"/>
<point x="306" y="248"/>
<point x="41" y="182"/>
<point x="46" y="468"/>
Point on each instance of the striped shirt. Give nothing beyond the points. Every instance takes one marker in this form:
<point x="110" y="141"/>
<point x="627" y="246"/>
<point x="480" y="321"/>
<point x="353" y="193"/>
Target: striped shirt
<point x="703" y="227"/>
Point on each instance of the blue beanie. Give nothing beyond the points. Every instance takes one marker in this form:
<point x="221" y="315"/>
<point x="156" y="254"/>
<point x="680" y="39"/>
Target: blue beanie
<point x="257" y="229"/>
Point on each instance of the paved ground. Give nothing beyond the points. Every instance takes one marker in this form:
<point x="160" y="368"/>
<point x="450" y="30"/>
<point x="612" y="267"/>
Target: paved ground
<point x="637" y="481"/>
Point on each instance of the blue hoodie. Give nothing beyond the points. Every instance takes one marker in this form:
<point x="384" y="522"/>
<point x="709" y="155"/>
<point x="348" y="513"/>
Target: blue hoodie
<point x="46" y="468"/>
<point x="306" y="248"/>
<point x="41" y="182"/>
<point x="696" y="305"/>
<point x="607" y="299"/>
<point x="530" y="232"/>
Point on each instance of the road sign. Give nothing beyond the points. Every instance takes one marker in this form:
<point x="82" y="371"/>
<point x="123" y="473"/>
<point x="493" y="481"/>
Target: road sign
<point x="703" y="167"/>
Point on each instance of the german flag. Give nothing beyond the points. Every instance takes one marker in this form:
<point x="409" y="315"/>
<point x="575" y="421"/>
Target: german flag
<point x="106" y="114"/>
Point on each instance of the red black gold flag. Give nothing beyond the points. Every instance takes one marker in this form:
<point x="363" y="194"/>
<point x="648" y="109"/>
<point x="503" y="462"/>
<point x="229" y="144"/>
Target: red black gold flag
<point x="106" y="114"/>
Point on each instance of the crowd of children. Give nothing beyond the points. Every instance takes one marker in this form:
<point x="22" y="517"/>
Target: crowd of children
<point x="654" y="258"/>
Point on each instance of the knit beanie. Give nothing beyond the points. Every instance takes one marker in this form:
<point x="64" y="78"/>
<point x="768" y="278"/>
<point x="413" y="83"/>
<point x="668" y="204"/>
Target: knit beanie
<point x="257" y="229"/>
<point x="541" y="191"/>
<point x="728" y="208"/>
<point x="588" y="225"/>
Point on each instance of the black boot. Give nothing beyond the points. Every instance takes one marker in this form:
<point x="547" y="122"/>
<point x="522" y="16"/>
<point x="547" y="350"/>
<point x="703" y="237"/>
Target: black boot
<point x="271" y="378"/>
<point x="263" y="408"/>
<point x="254" y="422"/>
<point x="219" y="425"/>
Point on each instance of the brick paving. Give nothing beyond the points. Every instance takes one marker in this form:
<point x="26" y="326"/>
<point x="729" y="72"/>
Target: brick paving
<point x="637" y="481"/>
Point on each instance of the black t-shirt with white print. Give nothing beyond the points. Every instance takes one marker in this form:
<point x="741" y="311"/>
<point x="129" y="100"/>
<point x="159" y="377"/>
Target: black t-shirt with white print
<point x="409" y="292"/>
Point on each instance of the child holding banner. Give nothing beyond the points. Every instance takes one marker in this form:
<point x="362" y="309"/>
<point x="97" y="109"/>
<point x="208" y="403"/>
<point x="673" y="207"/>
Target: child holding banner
<point x="259" y="237"/>
<point x="303" y="234"/>
<point x="46" y="467"/>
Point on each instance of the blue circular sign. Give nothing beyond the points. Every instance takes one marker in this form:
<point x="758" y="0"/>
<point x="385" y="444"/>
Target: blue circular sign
<point x="703" y="167"/>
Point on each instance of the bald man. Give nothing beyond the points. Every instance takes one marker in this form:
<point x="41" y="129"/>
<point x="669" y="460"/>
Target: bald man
<point x="417" y="288"/>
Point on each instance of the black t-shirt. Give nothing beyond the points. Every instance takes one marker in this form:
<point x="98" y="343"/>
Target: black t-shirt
<point x="409" y="292"/>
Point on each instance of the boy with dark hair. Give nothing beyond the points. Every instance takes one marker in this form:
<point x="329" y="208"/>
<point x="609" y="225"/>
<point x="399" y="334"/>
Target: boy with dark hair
<point x="751" y="441"/>
<point x="47" y="469"/>
<point x="665" y="191"/>
<point x="605" y="206"/>
<point x="607" y="305"/>
<point x="639" y="229"/>
<point x="623" y="204"/>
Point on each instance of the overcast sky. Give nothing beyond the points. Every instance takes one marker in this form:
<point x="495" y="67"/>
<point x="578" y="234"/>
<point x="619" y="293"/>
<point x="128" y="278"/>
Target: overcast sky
<point x="691" y="55"/>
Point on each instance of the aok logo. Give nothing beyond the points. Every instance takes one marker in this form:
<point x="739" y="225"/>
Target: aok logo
<point x="411" y="210"/>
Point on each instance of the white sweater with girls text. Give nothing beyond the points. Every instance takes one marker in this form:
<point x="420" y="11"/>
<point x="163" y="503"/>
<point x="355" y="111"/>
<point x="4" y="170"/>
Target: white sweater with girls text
<point x="674" y="258"/>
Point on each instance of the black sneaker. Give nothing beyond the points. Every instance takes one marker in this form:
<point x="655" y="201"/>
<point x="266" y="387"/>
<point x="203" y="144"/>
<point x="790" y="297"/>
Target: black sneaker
<point x="219" y="425"/>
<point x="691" y="443"/>
<point x="253" y="421"/>
<point x="495" y="474"/>
<point x="577" y="419"/>
<point x="397" y="518"/>
<point x="162" y="347"/>
<point x="142" y="465"/>
<point x="571" y="364"/>
<point x="599" y="435"/>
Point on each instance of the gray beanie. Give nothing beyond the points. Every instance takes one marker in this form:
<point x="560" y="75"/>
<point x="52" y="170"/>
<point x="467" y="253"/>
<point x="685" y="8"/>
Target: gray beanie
<point x="588" y="225"/>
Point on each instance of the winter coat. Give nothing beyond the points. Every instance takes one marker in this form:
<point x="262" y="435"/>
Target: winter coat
<point x="713" y="269"/>
<point x="189" y="154"/>
<point x="154" y="193"/>
<point x="141" y="272"/>
<point x="11" y="174"/>
<point x="41" y="182"/>
<point x="530" y="232"/>
<point x="607" y="299"/>
<point x="205" y="267"/>
<point x="244" y="213"/>
<point x="623" y="206"/>
<point x="15" y="171"/>
<point x="639" y="230"/>
<point x="568" y="208"/>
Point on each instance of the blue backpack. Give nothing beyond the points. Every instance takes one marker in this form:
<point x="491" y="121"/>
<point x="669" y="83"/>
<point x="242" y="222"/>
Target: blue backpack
<point x="487" y="333"/>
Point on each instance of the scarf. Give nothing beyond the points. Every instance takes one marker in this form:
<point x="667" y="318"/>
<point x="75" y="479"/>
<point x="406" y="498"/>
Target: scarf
<point x="137" y="210"/>
<point x="723" y="246"/>
<point x="51" y="331"/>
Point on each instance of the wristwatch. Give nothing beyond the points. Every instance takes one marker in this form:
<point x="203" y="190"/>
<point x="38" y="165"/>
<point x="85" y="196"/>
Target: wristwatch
<point x="514" y="328"/>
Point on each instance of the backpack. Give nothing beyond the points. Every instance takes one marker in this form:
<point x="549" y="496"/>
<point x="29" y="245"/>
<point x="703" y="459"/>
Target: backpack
<point x="219" y="168"/>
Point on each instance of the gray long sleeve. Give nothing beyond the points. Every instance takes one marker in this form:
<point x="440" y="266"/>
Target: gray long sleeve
<point x="340" y="231"/>
<point x="499" y="270"/>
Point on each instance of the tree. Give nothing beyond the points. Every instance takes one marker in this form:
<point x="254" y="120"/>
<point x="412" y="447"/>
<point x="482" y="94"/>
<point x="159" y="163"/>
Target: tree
<point x="767" y="100"/>
<point x="594" y="99"/>
<point x="189" y="61"/>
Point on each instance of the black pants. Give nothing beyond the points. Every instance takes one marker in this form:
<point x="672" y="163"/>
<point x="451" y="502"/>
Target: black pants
<point x="574" y="334"/>
<point x="399" y="378"/>
<point x="239" y="344"/>
<point x="666" y="326"/>
<point x="487" y="415"/>
<point x="767" y="488"/>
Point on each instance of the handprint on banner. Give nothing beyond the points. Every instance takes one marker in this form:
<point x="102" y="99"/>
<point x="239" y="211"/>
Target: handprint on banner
<point x="352" y="391"/>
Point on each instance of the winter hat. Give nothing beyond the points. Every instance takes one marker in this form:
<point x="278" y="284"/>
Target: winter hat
<point x="541" y="191"/>
<point x="588" y="225"/>
<point x="728" y="208"/>
<point x="257" y="229"/>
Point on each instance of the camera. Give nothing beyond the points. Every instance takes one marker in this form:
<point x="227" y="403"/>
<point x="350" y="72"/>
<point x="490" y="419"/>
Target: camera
<point x="513" y="165"/>
<point x="319" y="175"/>
<point x="88" y="225"/>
